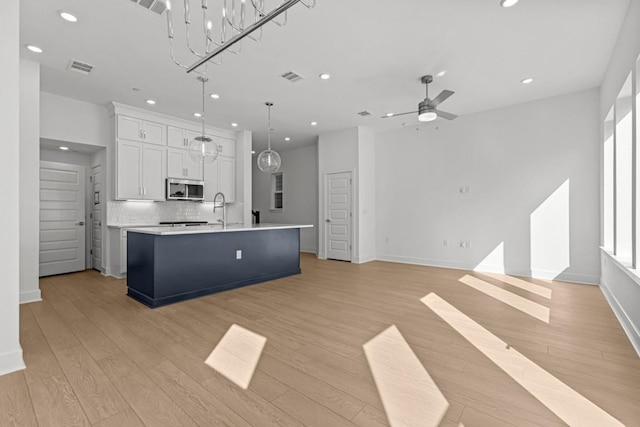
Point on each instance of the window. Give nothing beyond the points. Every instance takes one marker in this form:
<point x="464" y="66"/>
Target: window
<point x="620" y="175"/>
<point x="623" y="175"/>
<point x="276" y="191"/>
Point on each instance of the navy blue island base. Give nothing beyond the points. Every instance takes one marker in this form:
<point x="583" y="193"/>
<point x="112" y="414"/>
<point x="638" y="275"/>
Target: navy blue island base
<point x="165" y="269"/>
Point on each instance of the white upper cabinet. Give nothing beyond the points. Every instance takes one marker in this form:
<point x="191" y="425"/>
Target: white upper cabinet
<point x="139" y="171"/>
<point x="220" y="176"/>
<point x="140" y="130"/>
<point x="180" y="165"/>
<point x="180" y="138"/>
<point x="226" y="147"/>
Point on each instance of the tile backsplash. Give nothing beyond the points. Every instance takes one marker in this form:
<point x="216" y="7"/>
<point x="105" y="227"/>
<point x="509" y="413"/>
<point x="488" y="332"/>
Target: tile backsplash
<point x="129" y="213"/>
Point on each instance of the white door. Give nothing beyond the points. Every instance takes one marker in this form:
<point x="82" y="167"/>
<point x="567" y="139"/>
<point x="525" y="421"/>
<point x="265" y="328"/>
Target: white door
<point x="96" y="217"/>
<point x="338" y="218"/>
<point x="62" y="216"/>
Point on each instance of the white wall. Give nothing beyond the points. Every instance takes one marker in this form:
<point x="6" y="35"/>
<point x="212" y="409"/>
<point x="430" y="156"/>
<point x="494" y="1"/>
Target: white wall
<point x="29" y="180"/>
<point x="243" y="177"/>
<point x="300" y="180"/>
<point x="621" y="287"/>
<point x="66" y="119"/>
<point x="366" y="195"/>
<point x="531" y="170"/>
<point x="10" y="350"/>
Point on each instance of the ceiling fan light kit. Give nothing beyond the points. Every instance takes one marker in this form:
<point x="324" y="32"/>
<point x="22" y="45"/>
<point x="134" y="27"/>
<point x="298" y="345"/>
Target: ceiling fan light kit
<point x="427" y="111"/>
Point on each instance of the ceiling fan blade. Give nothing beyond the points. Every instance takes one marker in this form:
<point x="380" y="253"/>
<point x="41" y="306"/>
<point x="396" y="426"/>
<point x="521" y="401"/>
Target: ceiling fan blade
<point x="401" y="114"/>
<point x="445" y="115"/>
<point x="440" y="98"/>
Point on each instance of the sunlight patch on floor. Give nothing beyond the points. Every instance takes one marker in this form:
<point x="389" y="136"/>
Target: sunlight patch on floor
<point x="569" y="405"/>
<point x="531" y="308"/>
<point x="521" y="284"/>
<point x="237" y="354"/>
<point x="409" y="395"/>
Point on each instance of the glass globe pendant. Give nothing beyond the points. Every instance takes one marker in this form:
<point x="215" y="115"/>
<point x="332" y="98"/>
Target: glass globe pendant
<point x="269" y="160"/>
<point x="202" y="148"/>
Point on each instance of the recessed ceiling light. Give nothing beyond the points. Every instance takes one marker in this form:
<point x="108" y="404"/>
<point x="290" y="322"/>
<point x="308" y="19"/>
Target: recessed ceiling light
<point x="151" y="102"/>
<point x="34" y="49"/>
<point x="526" y="81"/>
<point x="197" y="114"/>
<point x="63" y="148"/>
<point x="389" y="114"/>
<point x="235" y="125"/>
<point x="287" y="139"/>
<point x="68" y="17"/>
<point x="441" y="73"/>
<point x="215" y="96"/>
<point x="313" y="123"/>
<point x="508" y="3"/>
<point x="325" y="76"/>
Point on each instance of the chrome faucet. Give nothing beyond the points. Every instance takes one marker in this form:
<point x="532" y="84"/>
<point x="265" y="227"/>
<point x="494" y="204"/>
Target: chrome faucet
<point x="223" y="206"/>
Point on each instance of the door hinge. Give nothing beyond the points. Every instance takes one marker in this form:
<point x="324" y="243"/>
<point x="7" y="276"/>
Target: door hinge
<point x="91" y="215"/>
<point x="350" y="181"/>
<point x="90" y="179"/>
<point x="90" y="251"/>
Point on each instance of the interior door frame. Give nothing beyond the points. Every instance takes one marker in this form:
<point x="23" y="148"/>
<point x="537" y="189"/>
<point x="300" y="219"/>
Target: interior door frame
<point x="324" y="206"/>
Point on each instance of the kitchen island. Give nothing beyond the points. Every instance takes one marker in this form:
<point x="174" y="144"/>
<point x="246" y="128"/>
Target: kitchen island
<point x="171" y="264"/>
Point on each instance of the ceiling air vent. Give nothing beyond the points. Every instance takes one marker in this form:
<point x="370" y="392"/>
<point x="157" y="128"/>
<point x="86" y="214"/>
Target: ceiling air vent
<point x="157" y="6"/>
<point x="292" y="76"/>
<point x="80" y="67"/>
<point x="364" y="113"/>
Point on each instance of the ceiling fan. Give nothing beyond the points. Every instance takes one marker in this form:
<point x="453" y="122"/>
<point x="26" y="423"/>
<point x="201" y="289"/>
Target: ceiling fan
<point x="427" y="109"/>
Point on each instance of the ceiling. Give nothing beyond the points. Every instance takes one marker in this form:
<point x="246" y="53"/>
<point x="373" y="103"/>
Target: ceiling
<point x="375" y="51"/>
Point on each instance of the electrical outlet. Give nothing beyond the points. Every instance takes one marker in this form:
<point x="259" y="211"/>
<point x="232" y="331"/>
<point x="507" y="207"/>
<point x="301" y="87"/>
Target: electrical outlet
<point x="462" y="244"/>
<point x="239" y="254"/>
<point x="465" y="243"/>
<point x="464" y="190"/>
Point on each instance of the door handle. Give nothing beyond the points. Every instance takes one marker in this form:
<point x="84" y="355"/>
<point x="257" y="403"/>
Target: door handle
<point x="80" y="223"/>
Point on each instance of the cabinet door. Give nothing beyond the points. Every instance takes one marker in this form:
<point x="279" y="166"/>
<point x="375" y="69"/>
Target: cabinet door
<point x="128" y="165"/>
<point x="154" y="133"/>
<point x="175" y="166"/>
<point x="227" y="177"/>
<point x="176" y="137"/>
<point x="211" y="180"/>
<point x="129" y="128"/>
<point x="192" y="168"/>
<point x="153" y="172"/>
<point x="227" y="147"/>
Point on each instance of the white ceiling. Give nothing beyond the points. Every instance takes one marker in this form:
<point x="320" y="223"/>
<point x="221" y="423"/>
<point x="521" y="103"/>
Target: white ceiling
<point x="375" y="51"/>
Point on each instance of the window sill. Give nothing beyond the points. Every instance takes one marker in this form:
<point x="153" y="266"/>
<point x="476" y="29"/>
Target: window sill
<point x="623" y="265"/>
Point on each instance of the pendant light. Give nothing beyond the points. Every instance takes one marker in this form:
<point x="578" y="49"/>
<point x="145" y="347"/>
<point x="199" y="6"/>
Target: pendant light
<point x="269" y="160"/>
<point x="202" y="148"/>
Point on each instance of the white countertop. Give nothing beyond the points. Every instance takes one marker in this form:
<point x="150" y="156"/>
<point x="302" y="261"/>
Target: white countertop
<point x="212" y="228"/>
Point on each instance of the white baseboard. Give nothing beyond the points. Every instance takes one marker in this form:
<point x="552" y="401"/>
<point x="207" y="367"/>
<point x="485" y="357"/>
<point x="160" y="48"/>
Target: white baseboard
<point x="30" y="296"/>
<point x="629" y="328"/>
<point x="117" y="276"/>
<point x="308" y="251"/>
<point x="423" y="261"/>
<point x="565" y="277"/>
<point x="11" y="361"/>
<point x="363" y="259"/>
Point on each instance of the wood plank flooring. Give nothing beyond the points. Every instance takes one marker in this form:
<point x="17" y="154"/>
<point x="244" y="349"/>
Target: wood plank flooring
<point x="97" y="358"/>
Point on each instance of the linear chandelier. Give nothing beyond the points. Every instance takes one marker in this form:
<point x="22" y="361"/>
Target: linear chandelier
<point x="238" y="19"/>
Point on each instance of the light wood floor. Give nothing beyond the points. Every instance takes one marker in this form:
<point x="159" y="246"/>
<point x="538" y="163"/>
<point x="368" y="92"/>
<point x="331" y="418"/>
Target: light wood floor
<point x="96" y="357"/>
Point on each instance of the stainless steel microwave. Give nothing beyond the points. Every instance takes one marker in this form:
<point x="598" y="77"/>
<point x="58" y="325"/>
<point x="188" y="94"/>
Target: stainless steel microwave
<point x="185" y="189"/>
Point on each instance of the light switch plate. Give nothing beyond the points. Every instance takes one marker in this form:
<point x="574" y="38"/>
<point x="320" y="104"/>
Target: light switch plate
<point x="239" y="254"/>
